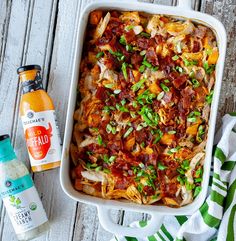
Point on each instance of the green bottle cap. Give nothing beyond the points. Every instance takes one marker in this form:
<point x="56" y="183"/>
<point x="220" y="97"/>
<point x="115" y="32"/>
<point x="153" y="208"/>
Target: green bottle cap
<point x="6" y="150"/>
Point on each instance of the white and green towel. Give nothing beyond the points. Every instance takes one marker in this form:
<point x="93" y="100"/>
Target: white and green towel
<point x="216" y="219"/>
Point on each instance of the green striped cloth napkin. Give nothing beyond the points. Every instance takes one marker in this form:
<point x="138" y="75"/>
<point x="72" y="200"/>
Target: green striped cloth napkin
<point x="216" y="219"/>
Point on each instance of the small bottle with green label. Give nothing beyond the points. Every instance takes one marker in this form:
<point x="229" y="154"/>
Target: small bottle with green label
<point x="19" y="195"/>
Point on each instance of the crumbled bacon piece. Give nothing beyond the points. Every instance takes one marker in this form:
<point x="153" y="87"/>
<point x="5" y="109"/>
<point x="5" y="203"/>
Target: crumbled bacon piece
<point x="136" y="60"/>
<point x="129" y="36"/>
<point x="200" y="31"/>
<point x="102" y="93"/>
<point x="196" y="47"/>
<point x="179" y="81"/>
<point x="152" y="56"/>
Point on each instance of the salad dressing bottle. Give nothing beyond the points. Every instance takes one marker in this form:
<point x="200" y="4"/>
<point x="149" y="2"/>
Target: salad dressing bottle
<point x="39" y="121"/>
<point x="19" y="195"/>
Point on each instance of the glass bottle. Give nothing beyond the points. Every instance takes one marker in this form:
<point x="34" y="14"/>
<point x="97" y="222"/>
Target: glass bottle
<point x="39" y="121"/>
<point x="19" y="194"/>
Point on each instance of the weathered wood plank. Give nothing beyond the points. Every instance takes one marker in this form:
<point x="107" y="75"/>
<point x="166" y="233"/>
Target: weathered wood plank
<point x="225" y="11"/>
<point x="5" y="8"/>
<point x="12" y="42"/>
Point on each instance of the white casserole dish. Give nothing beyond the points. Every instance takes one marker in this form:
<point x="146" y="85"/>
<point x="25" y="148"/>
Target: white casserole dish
<point x="104" y="206"/>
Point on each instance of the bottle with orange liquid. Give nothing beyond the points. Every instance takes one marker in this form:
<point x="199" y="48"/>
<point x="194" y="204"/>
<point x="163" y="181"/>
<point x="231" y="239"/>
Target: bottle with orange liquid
<point x="39" y="121"/>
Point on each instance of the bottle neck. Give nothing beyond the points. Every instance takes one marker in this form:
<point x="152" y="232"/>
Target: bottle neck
<point x="6" y="151"/>
<point x="31" y="81"/>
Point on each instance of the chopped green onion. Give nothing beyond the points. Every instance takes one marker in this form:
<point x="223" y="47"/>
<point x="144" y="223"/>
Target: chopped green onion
<point x="185" y="165"/>
<point x="161" y="166"/>
<point x="146" y="35"/>
<point x="124" y="70"/>
<point x="166" y="81"/>
<point x="140" y="187"/>
<point x="201" y="130"/>
<point x="142" y="68"/>
<point x="121" y="108"/>
<point x="129" y="48"/>
<point x="109" y="86"/>
<point x="133" y="115"/>
<point x="155" y="196"/>
<point x="99" y="55"/>
<point x="94" y="165"/>
<point x="155" y="68"/>
<point x="142" y="144"/>
<point x="134" y="103"/>
<point x="209" y="69"/>
<point x="194" y="114"/>
<point x="119" y="55"/>
<point x="209" y="51"/>
<point x="199" y="172"/>
<point x="107" y="109"/>
<point x="108" y="128"/>
<point x="151" y="118"/>
<point x="181" y="171"/>
<point x="139" y="127"/>
<point x="175" y="57"/>
<point x="197" y="191"/>
<point x="127" y="28"/>
<point x="171" y="132"/>
<point x="122" y="40"/>
<point x="190" y="186"/>
<point x="195" y="83"/>
<point x="191" y="74"/>
<point x="99" y="168"/>
<point x="180" y="69"/>
<point x="150" y="183"/>
<point x="141" y="165"/>
<point x="128" y="132"/>
<point x="209" y="97"/>
<point x="159" y="136"/>
<point x="112" y="158"/>
<point x="164" y="87"/>
<point x="199" y="179"/>
<point x="174" y="150"/>
<point x="147" y="64"/>
<point x="123" y="102"/>
<point x="180" y="180"/>
<point x="138" y="85"/>
<point x="116" y="91"/>
<point x="160" y="95"/>
<point x="143" y="52"/>
<point x="192" y="119"/>
<point x="89" y="153"/>
<point x="179" y="47"/>
<point x="147" y="96"/>
<point x="105" y="170"/>
<point x="190" y="63"/>
<point x="100" y="142"/>
<point x="88" y="165"/>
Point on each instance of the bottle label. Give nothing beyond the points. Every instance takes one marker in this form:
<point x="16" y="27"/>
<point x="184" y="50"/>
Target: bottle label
<point x="23" y="204"/>
<point x="42" y="137"/>
<point x="32" y="85"/>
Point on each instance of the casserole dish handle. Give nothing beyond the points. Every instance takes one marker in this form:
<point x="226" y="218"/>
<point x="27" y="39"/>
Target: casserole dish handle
<point x="185" y="4"/>
<point x="109" y="225"/>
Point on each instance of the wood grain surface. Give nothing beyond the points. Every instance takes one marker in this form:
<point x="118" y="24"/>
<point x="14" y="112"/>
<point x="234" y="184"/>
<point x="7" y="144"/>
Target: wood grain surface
<point x="42" y="32"/>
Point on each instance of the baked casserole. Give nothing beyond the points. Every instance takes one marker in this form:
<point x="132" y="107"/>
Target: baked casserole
<point x="144" y="95"/>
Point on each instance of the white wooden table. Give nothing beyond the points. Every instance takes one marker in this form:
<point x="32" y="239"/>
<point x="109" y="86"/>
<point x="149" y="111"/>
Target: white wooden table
<point x="41" y="32"/>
